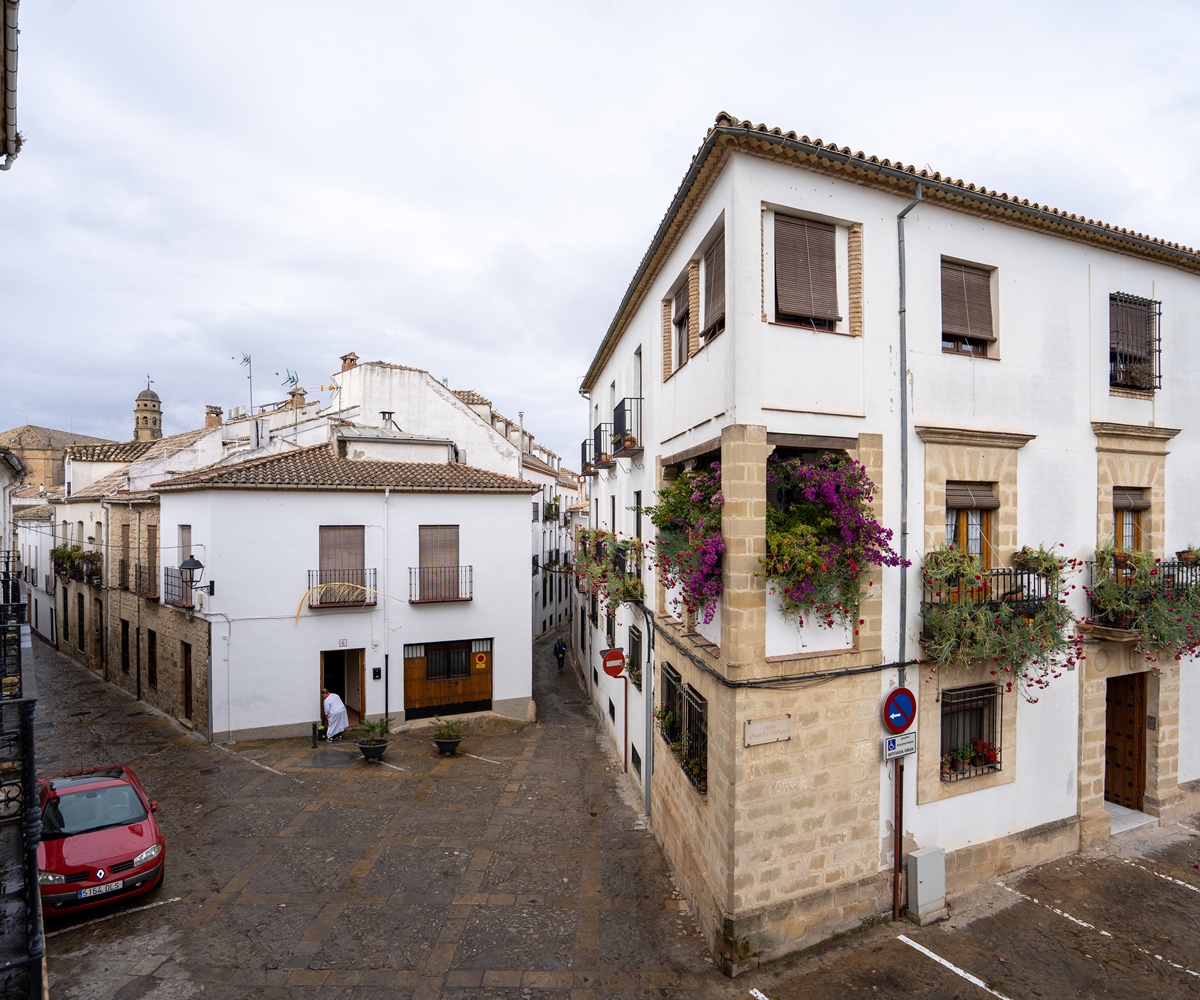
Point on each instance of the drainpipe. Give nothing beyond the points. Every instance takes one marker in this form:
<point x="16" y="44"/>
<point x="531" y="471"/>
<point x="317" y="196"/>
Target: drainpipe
<point x="898" y="777"/>
<point x="108" y="547"/>
<point x="11" y="146"/>
<point x="137" y="604"/>
<point x="387" y="679"/>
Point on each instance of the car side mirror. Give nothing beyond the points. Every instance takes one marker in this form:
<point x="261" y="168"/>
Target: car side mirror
<point x="154" y="805"/>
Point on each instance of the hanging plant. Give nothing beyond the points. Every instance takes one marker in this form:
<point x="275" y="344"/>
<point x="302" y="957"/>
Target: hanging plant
<point x="609" y="566"/>
<point x="689" y="547"/>
<point x="1145" y="595"/>
<point x="1014" y="621"/>
<point x="822" y="537"/>
<point x="68" y="561"/>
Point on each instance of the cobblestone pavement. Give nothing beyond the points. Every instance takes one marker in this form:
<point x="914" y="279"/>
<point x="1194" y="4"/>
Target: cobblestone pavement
<point x="517" y="869"/>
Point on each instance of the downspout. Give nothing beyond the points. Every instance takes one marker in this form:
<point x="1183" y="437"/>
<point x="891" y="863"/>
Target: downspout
<point x="12" y="144"/>
<point x="137" y="623"/>
<point x="107" y="604"/>
<point x="898" y="781"/>
<point x="387" y="678"/>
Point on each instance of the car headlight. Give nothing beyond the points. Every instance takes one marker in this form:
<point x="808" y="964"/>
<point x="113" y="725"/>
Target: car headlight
<point x="49" y="878"/>
<point x="148" y="854"/>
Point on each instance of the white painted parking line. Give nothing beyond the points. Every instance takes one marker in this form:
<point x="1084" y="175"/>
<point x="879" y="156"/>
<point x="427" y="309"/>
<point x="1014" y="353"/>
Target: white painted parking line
<point x="1092" y="927"/>
<point x="251" y="760"/>
<point x="758" y="995"/>
<point x="486" y="760"/>
<point x="1168" y="878"/>
<point x="953" y="968"/>
<point x="110" y="916"/>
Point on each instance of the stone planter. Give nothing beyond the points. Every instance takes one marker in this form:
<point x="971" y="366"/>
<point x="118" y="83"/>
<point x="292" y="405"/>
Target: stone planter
<point x="372" y="750"/>
<point x="448" y="748"/>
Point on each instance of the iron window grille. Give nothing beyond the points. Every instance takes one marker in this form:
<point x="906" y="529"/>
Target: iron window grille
<point x="971" y="726"/>
<point x="176" y="591"/>
<point x="670" y="723"/>
<point x="1134" y="342"/>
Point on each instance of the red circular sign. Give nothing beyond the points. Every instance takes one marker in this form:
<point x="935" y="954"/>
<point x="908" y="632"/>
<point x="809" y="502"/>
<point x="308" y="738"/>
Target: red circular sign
<point x="613" y="661"/>
<point x="899" y="710"/>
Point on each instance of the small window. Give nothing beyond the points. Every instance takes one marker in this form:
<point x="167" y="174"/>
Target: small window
<point x="969" y="515"/>
<point x="447" y="660"/>
<point x="806" y="273"/>
<point x="669" y="715"/>
<point x="680" y="324"/>
<point x="610" y="629"/>
<point x="971" y="727"/>
<point x="1134" y="342"/>
<point x="966" y="309"/>
<point x="535" y="509"/>
<point x="714" y="290"/>
<point x="633" y="658"/>
<point x="1129" y="504"/>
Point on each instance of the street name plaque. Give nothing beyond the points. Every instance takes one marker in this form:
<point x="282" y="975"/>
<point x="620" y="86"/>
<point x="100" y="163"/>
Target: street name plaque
<point x="773" y="730"/>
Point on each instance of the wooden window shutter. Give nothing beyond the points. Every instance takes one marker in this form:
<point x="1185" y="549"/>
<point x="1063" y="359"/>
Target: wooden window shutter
<point x="805" y="270"/>
<point x="681" y="304"/>
<point x="966" y="301"/>
<point x="1130" y="498"/>
<point x="714" y="282"/>
<point x="439" y="546"/>
<point x="971" y="496"/>
<point x="341" y="546"/>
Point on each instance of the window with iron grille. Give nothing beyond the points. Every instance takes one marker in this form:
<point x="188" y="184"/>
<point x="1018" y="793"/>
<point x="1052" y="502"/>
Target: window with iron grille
<point x="694" y="745"/>
<point x="971" y="728"/>
<point x="1134" y="342"/>
<point x="670" y="717"/>
<point x="633" y="659"/>
<point x="610" y="629"/>
<point x="446" y="660"/>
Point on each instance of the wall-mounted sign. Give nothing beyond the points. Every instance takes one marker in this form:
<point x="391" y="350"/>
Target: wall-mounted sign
<point x="613" y="662"/>
<point x="772" y="730"/>
<point x="900" y="745"/>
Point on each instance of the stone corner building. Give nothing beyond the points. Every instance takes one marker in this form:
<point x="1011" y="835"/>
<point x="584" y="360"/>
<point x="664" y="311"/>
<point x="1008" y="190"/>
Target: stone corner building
<point x="1009" y="375"/>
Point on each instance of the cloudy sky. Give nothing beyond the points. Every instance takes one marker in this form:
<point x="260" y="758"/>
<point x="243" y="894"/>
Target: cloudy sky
<point x="468" y="187"/>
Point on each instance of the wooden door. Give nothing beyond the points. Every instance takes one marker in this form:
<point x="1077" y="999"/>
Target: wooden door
<point x="185" y="650"/>
<point x="445" y="676"/>
<point x="355" y="687"/>
<point x="1125" y="741"/>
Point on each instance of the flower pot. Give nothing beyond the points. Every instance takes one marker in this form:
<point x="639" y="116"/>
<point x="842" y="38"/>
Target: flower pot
<point x="372" y="750"/>
<point x="978" y="760"/>
<point x="1121" y="558"/>
<point x="448" y="748"/>
<point x="956" y="764"/>
<point x="1187" y="558"/>
<point x="703" y="786"/>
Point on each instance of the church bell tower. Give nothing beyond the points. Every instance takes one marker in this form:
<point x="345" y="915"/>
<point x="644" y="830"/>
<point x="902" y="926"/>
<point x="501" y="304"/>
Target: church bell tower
<point x="147" y="415"/>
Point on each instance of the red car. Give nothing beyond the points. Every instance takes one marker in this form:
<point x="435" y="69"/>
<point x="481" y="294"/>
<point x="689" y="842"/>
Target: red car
<point x="99" y="839"/>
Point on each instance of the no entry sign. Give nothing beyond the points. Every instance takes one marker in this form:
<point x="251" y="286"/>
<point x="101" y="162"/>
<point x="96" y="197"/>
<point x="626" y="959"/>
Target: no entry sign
<point x="613" y="661"/>
<point x="899" y="710"/>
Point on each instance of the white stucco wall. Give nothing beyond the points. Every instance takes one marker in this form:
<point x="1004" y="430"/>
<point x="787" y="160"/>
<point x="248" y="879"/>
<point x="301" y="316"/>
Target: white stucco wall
<point x="259" y="546"/>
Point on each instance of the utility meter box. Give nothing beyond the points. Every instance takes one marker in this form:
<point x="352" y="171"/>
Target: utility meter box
<point x="927" y="885"/>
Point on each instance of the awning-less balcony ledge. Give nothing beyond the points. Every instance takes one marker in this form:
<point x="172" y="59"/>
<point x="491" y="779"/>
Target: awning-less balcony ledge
<point x="440" y="584"/>
<point x="341" y="588"/>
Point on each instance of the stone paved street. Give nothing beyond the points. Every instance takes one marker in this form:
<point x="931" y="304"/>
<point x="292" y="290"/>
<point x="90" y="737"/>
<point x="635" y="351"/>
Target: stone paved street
<point x="519" y="870"/>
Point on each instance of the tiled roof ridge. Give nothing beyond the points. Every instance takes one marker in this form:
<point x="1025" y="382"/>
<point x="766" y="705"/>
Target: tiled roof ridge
<point x="471" y="397"/>
<point x="726" y="120"/>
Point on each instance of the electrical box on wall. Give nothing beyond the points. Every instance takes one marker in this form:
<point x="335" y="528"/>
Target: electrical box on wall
<point x="377" y="673"/>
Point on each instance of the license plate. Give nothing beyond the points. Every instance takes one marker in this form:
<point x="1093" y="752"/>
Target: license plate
<point x="100" y="890"/>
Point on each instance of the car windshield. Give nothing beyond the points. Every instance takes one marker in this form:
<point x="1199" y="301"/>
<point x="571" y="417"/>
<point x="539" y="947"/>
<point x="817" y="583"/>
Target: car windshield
<point x="91" y="809"/>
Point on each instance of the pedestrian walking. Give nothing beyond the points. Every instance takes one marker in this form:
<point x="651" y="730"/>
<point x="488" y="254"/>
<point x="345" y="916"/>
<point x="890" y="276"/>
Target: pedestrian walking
<point x="560" y="650"/>
<point x="336" y="720"/>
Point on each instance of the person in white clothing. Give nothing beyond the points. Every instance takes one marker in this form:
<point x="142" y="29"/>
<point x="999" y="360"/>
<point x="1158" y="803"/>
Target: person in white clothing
<point x="336" y="721"/>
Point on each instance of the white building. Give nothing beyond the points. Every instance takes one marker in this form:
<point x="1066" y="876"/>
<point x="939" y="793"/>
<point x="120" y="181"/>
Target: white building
<point x="391" y="583"/>
<point x="1037" y="393"/>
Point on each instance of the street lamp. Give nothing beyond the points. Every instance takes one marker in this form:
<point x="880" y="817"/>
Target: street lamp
<point x="192" y="571"/>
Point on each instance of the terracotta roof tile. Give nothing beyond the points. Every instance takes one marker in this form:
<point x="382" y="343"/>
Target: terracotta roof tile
<point x="471" y="397"/>
<point x="122" y="451"/>
<point x="36" y="512"/>
<point x="319" y="468"/>
<point x="102" y="487"/>
<point x="32" y="436"/>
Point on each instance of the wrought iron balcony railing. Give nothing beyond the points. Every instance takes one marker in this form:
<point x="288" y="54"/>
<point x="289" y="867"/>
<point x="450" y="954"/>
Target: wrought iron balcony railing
<point x="176" y="592"/>
<point x="123" y="574"/>
<point x="1021" y="590"/>
<point x="145" y="583"/>
<point x="627" y="427"/>
<point x="1117" y="593"/>
<point x="587" y="461"/>
<point x="341" y="588"/>
<point x="435" y="584"/>
<point x="602" y="446"/>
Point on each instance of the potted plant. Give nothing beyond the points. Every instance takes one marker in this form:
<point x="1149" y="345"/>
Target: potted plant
<point x="1189" y="556"/>
<point x="374" y="739"/>
<point x="448" y="734"/>
<point x="630" y="440"/>
<point x="947" y="762"/>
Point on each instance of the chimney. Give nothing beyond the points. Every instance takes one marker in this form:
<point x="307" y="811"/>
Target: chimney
<point x="297" y="397"/>
<point x="212" y="416"/>
<point x="349" y="361"/>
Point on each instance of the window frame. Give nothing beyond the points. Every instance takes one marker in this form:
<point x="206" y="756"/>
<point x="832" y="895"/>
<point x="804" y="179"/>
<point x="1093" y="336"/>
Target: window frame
<point x="818" y="324"/>
<point x="986" y="503"/>
<point x="972" y="343"/>
<point x="1128" y="368"/>
<point x="969" y="713"/>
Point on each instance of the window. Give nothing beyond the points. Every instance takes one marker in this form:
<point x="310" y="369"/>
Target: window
<point x="185" y="542"/>
<point x="439" y="568"/>
<point x="670" y="714"/>
<point x="971" y="731"/>
<point x="637" y="514"/>
<point x="966" y="309"/>
<point x="680" y="324"/>
<point x="633" y="659"/>
<point x="610" y="628"/>
<point x="341" y="578"/>
<point x="1128" y="504"/>
<point x="447" y="660"/>
<point x="969" y="508"/>
<point x="805" y="273"/>
<point x="535" y="510"/>
<point x="124" y="646"/>
<point x="152" y="545"/>
<point x="152" y="657"/>
<point x="714" y="290"/>
<point x="1134" y="342"/>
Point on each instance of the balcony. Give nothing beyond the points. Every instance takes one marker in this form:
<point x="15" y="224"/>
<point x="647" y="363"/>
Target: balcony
<point x="1022" y="591"/>
<point x="145" y="583"/>
<point x="1132" y="597"/>
<point x="551" y="557"/>
<point x="550" y="511"/>
<point x="175" y="591"/>
<point x="602" y="446"/>
<point x="341" y="588"/>
<point x="441" y="584"/>
<point x="627" y="427"/>
<point x="587" y="464"/>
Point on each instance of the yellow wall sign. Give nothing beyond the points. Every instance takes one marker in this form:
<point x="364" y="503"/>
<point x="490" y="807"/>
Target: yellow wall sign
<point x="481" y="661"/>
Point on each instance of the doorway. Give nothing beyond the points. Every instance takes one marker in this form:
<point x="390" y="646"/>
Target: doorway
<point x="185" y="666"/>
<point x="342" y="673"/>
<point x="1125" y="741"/>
